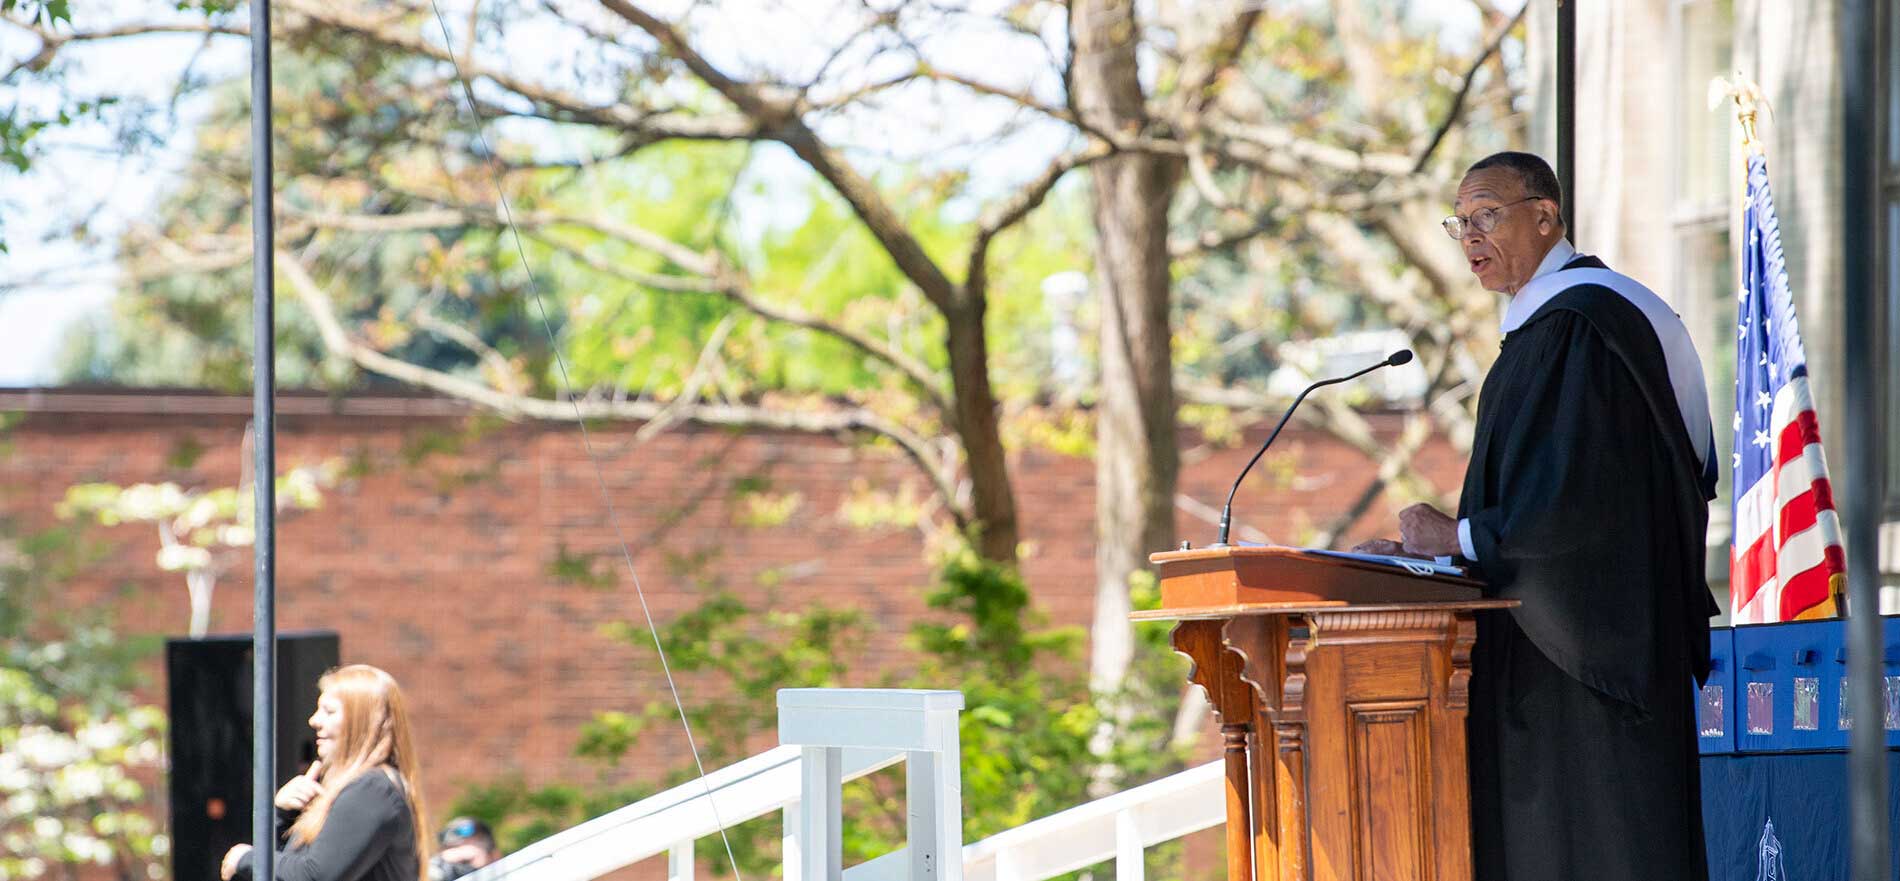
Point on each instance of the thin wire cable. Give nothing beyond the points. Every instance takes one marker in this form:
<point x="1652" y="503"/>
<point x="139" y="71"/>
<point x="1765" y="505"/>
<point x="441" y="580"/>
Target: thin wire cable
<point x="587" y="442"/>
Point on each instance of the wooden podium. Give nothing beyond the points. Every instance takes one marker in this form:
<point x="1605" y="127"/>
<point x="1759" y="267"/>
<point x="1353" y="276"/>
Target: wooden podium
<point x="1341" y="688"/>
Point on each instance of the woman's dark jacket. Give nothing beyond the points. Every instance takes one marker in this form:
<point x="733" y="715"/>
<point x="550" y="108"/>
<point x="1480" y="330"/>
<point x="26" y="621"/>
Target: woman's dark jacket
<point x="369" y="835"/>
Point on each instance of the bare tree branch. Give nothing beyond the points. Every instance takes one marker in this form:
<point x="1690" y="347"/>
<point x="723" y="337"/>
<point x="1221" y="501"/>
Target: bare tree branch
<point x="726" y="284"/>
<point x="1464" y="88"/>
<point x="571" y="107"/>
<point x="689" y="391"/>
<point x="1280" y="151"/>
<point x="708" y="274"/>
<point x="1356" y="252"/>
<point x="1021" y="98"/>
<point x="1012" y="211"/>
<point x="1301" y="202"/>
<point x="1361" y="56"/>
<point x="1394" y="465"/>
<point x="457" y="216"/>
<point x="1331" y="415"/>
<point x="426" y="319"/>
<point x="778" y="117"/>
<point x="515" y="406"/>
<point x="51" y="41"/>
<point x="1205" y="65"/>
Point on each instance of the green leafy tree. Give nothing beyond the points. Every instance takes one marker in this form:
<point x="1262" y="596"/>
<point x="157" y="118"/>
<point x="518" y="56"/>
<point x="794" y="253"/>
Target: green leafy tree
<point x="201" y="533"/>
<point x="80" y="754"/>
<point x="1218" y="141"/>
<point x="1025" y="731"/>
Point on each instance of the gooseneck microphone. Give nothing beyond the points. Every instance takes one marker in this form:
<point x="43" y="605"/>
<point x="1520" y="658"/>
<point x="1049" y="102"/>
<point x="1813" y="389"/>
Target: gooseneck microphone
<point x="1401" y="356"/>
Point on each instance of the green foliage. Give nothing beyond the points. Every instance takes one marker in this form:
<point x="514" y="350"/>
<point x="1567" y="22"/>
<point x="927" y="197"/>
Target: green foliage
<point x="1026" y="729"/>
<point x="46" y="13"/>
<point x="200" y="531"/>
<point x="1029" y="719"/>
<point x="586" y="570"/>
<point x="76" y="745"/>
<point x="522" y="815"/>
<point x="359" y="136"/>
<point x="340" y="104"/>
<point x="622" y="334"/>
<point x="20" y="128"/>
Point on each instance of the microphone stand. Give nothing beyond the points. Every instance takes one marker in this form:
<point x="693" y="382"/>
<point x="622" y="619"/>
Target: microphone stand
<point x="1227" y="510"/>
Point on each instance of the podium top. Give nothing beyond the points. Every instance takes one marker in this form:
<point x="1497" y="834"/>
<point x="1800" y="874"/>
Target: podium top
<point x="1242" y="610"/>
<point x="1224" y="581"/>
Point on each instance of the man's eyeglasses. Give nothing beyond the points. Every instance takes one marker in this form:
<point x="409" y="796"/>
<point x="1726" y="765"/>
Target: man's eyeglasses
<point x="1483" y="220"/>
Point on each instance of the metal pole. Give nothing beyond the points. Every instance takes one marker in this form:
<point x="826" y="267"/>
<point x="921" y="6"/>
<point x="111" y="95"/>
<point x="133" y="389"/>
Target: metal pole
<point x="1863" y="480"/>
<point x="264" y="473"/>
<point x="1567" y="110"/>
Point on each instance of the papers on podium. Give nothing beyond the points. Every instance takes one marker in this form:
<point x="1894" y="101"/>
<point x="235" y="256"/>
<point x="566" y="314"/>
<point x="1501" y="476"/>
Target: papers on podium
<point x="1412" y="565"/>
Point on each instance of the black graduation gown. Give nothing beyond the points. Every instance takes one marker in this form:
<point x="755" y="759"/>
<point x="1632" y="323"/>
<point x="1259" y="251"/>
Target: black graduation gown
<point x="1587" y="504"/>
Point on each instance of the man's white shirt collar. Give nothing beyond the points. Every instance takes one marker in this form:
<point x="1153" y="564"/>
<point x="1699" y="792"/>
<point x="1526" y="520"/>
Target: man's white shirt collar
<point x="1532" y="296"/>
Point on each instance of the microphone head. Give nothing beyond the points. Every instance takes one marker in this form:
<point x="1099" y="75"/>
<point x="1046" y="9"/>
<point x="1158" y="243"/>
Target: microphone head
<point x="1402" y="356"/>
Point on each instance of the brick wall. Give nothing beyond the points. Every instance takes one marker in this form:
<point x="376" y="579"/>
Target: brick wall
<point x="438" y="568"/>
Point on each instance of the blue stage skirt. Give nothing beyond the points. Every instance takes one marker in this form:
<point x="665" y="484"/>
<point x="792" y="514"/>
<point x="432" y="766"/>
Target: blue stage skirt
<point x="1804" y="796"/>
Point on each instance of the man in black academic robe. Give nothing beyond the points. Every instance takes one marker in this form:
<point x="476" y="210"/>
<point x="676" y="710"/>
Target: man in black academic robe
<point x="1586" y="498"/>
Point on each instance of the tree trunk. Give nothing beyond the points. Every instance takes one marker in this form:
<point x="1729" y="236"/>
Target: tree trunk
<point x="1136" y="458"/>
<point x="992" y="501"/>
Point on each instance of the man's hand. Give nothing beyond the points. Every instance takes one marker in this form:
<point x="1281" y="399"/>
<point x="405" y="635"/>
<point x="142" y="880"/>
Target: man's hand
<point x="231" y="858"/>
<point x="1429" y="532"/>
<point x="467" y="854"/>
<point x="1383" y="547"/>
<point x="297" y="793"/>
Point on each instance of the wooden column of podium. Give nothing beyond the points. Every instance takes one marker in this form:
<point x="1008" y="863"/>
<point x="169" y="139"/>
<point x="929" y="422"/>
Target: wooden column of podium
<point x="1341" y="689"/>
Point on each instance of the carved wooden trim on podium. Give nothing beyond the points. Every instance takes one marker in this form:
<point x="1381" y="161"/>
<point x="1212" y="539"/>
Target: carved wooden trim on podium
<point x="1341" y="689"/>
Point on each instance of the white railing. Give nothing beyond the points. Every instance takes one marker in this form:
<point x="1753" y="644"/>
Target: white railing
<point x="1118" y="827"/>
<point x="826" y="721"/>
<point x="670" y="821"/>
<point x="835" y="735"/>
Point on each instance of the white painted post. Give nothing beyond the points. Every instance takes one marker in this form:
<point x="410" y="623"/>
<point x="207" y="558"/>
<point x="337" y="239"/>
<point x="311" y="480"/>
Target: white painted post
<point x="934" y="786"/>
<point x="821" y="828"/>
<point x="921" y="801"/>
<point x="788" y="841"/>
<point x="924" y="725"/>
<point x="679" y="861"/>
<point x="1129" y="865"/>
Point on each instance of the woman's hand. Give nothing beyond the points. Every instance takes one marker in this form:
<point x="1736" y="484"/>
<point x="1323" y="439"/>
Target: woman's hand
<point x="231" y="858"/>
<point x="300" y="790"/>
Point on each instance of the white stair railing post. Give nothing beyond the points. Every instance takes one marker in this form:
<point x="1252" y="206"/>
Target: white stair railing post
<point x="789" y="854"/>
<point x="821" y="827"/>
<point x="922" y="724"/>
<point x="679" y="861"/>
<point x="934" y="787"/>
<point x="836" y="736"/>
<point x="1128" y="850"/>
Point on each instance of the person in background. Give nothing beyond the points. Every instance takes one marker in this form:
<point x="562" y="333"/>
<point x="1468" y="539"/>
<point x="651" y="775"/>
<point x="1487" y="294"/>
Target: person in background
<point x="467" y="844"/>
<point x="357" y="813"/>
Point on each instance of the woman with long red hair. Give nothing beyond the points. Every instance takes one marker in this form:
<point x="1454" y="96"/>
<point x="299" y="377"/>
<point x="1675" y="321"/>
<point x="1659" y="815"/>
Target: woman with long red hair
<point x="356" y="814"/>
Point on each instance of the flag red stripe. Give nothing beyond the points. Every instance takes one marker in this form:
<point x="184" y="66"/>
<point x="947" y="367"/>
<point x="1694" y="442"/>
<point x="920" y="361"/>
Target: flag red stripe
<point x="1806" y="589"/>
<point x="1795" y="437"/>
<point x="1800" y="512"/>
<point x="1752" y="568"/>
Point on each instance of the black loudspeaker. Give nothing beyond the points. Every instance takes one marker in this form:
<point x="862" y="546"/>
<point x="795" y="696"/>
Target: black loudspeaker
<point x="209" y="682"/>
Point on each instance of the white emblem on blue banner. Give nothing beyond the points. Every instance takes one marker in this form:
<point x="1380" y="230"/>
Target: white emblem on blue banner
<point x="1769" y="868"/>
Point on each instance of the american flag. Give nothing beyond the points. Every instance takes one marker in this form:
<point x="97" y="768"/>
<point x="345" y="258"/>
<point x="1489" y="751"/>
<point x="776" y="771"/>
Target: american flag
<point x="1786" y="561"/>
